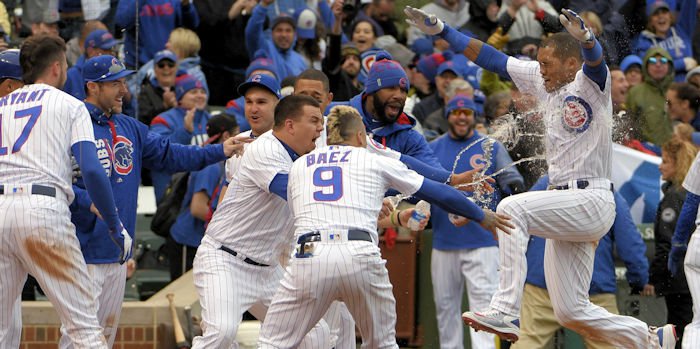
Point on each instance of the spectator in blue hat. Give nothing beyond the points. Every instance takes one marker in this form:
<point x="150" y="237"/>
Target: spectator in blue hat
<point x="156" y="19"/>
<point x="280" y="46"/>
<point x="184" y="124"/>
<point x="671" y="31"/>
<point x="632" y="67"/>
<point x="98" y="42"/>
<point x="10" y="72"/>
<point x="308" y="43"/>
<point x="236" y="107"/>
<point x="157" y="93"/>
<point x="440" y="70"/>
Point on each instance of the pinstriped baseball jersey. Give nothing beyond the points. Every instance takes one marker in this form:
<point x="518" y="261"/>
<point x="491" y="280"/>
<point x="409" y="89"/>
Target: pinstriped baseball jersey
<point x="578" y="119"/>
<point x="342" y="187"/>
<point x="35" y="147"/>
<point x="234" y="162"/>
<point x="251" y="219"/>
<point x="692" y="180"/>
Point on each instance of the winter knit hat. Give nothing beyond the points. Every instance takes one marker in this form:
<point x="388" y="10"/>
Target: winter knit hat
<point x="459" y="102"/>
<point x="261" y="62"/>
<point x="428" y="65"/>
<point x="185" y="83"/>
<point x="384" y="73"/>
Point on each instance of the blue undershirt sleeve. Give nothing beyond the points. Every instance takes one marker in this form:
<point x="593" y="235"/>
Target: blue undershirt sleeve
<point x="96" y="182"/>
<point x="449" y="199"/>
<point x="598" y="73"/>
<point x="278" y="186"/>
<point x="437" y="174"/>
<point x="686" y="220"/>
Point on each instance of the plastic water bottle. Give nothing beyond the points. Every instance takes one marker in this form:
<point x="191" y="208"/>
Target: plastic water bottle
<point x="422" y="210"/>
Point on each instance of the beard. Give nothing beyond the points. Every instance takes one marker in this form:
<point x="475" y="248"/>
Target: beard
<point x="461" y="137"/>
<point x="380" y="111"/>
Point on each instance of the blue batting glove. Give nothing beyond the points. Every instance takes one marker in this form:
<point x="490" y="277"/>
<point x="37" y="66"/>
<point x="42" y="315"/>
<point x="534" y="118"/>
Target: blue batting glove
<point x="675" y="258"/>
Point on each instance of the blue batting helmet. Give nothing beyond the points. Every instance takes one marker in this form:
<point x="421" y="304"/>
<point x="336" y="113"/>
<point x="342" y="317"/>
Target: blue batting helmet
<point x="9" y="65"/>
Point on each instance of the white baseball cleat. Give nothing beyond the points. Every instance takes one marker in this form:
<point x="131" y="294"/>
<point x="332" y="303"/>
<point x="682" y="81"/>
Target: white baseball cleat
<point x="666" y="335"/>
<point x="493" y="321"/>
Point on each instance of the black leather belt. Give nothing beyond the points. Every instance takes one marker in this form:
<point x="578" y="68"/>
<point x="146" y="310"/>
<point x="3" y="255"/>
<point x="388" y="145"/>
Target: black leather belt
<point x="247" y="260"/>
<point x="580" y="184"/>
<point x="36" y="190"/>
<point x="314" y="236"/>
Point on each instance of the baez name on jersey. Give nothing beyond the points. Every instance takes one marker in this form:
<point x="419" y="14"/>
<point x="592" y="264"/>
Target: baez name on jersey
<point x="333" y="157"/>
<point x="22" y="97"/>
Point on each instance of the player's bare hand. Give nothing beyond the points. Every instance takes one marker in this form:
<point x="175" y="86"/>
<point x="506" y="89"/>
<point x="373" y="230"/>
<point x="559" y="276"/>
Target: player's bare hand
<point x="189" y="120"/>
<point x="649" y="290"/>
<point x="405" y="215"/>
<point x="575" y="26"/>
<point x="95" y="211"/>
<point x="462" y="181"/>
<point x="234" y="145"/>
<point x="494" y="222"/>
<point x="130" y="268"/>
<point x="426" y="22"/>
<point x="387" y="208"/>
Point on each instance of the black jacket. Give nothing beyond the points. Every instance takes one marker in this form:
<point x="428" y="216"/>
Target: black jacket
<point x="664" y="226"/>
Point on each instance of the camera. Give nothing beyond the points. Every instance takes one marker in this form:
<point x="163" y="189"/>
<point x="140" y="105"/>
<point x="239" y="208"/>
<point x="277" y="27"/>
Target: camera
<point x="350" y="7"/>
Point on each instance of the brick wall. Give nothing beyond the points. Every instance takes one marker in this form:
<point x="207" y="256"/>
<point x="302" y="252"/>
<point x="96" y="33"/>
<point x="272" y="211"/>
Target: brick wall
<point x="128" y="337"/>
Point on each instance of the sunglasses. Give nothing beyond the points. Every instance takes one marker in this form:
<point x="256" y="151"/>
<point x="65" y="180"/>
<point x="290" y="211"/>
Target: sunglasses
<point x="162" y="65"/>
<point x="654" y="60"/>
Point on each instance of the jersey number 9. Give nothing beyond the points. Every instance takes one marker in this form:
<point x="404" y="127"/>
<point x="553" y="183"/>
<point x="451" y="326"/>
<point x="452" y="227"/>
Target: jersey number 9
<point x="330" y="180"/>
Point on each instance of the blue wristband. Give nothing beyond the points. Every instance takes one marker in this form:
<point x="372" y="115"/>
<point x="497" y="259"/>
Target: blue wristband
<point x="594" y="53"/>
<point x="458" y="41"/>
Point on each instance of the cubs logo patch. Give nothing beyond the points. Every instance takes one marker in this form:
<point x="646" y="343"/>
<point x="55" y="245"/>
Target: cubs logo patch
<point x="256" y="78"/>
<point x="577" y="114"/>
<point x="123" y="152"/>
<point x="367" y="62"/>
<point x="403" y="83"/>
<point x="477" y="161"/>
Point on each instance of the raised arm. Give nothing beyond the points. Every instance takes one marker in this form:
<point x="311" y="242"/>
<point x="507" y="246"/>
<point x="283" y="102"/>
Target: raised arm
<point x="482" y="54"/>
<point x="594" y="66"/>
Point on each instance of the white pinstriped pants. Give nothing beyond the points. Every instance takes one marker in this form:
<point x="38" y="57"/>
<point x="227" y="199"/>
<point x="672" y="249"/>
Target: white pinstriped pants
<point x="572" y="221"/>
<point x="108" y="283"/>
<point x="350" y="271"/>
<point x="450" y="271"/>
<point x="37" y="237"/>
<point x="228" y="287"/>
<point x="691" y="336"/>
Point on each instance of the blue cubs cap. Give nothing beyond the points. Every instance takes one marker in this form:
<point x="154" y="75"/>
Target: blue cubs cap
<point x="423" y="46"/>
<point x="101" y="39"/>
<point x="655" y="5"/>
<point x="9" y="65"/>
<point x="429" y="64"/>
<point x="629" y="61"/>
<point x="261" y="62"/>
<point x="385" y="73"/>
<point x="305" y="20"/>
<point x="449" y="66"/>
<point x="184" y="83"/>
<point x="261" y="80"/>
<point x="164" y="54"/>
<point x="459" y="102"/>
<point x="104" y="68"/>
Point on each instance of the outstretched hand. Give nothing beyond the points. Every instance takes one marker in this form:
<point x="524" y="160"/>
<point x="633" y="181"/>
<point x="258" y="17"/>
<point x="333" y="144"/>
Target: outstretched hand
<point x="234" y="145"/>
<point x="494" y="222"/>
<point x="574" y="24"/>
<point x="426" y="22"/>
<point x="465" y="181"/>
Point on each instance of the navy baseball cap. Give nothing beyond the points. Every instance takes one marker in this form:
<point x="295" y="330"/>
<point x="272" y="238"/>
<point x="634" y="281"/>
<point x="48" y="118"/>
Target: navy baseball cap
<point x="104" y="68"/>
<point x="101" y="39"/>
<point x="459" y="102"/>
<point x="449" y="66"/>
<point x="9" y="65"/>
<point x="164" y="54"/>
<point x="261" y="80"/>
<point x="629" y="61"/>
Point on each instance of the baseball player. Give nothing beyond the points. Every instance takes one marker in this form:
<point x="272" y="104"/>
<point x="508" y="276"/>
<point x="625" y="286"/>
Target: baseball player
<point x="576" y="101"/>
<point x="124" y="147"/>
<point x="686" y="242"/>
<point x="467" y="255"/>
<point x="41" y="126"/>
<point x="236" y="267"/>
<point x="335" y="194"/>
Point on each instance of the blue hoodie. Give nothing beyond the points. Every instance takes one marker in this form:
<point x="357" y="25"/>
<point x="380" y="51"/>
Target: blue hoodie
<point x="446" y="236"/>
<point x="678" y="40"/>
<point x="288" y="62"/>
<point x="157" y="18"/>
<point x="171" y="125"/>
<point x="75" y="83"/>
<point x="398" y="135"/>
<point x="623" y="237"/>
<point x="236" y="108"/>
<point x="123" y="155"/>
